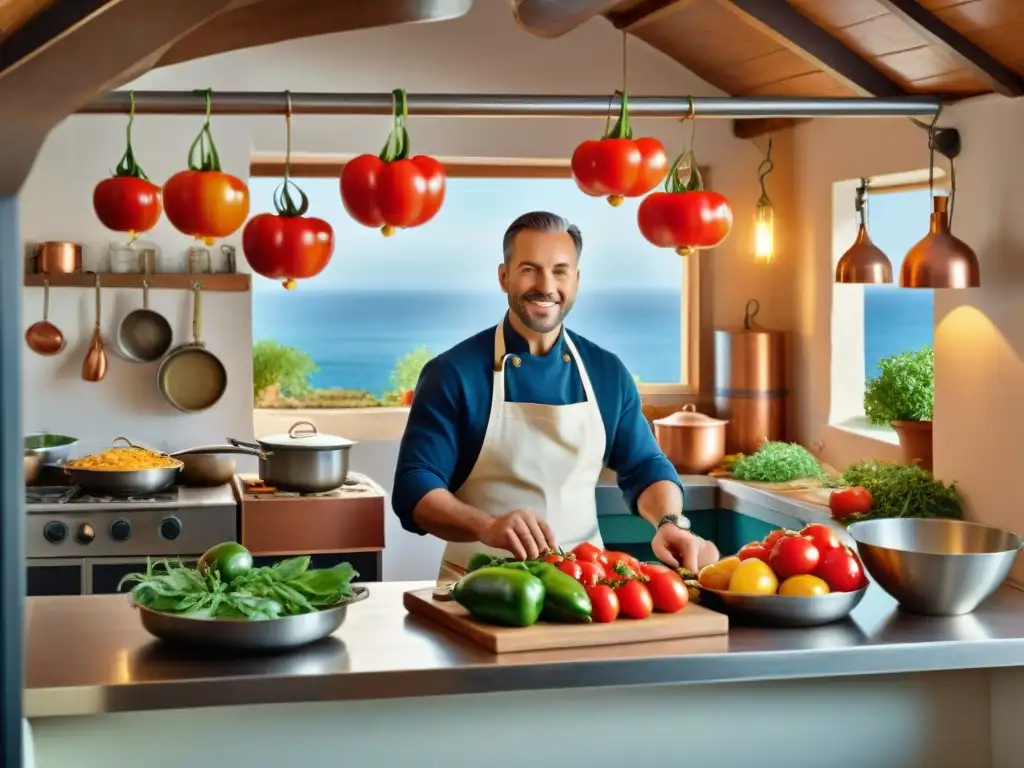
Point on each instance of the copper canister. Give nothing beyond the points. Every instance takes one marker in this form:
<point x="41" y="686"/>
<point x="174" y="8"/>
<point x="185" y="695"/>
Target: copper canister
<point x="58" y="257"/>
<point x="750" y="384"/>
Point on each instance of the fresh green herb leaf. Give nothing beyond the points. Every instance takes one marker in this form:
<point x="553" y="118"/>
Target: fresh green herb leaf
<point x="902" y="490"/>
<point x="287" y="588"/>
<point x="777" y="462"/>
<point x="904" y="389"/>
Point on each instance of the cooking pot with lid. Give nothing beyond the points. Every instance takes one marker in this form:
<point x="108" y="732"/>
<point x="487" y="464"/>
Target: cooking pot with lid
<point x="693" y="442"/>
<point x="302" y="460"/>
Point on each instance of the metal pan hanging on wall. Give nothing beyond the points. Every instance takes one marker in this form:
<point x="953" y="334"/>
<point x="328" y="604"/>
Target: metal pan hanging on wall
<point x="191" y="378"/>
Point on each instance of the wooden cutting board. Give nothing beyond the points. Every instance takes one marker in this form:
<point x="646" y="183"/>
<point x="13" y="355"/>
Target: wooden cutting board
<point x="692" y="621"/>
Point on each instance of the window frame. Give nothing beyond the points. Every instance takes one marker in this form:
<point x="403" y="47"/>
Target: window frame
<point x="319" y="166"/>
<point x="843" y="414"/>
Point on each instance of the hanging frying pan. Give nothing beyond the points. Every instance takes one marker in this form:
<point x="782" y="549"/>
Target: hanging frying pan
<point x="191" y="378"/>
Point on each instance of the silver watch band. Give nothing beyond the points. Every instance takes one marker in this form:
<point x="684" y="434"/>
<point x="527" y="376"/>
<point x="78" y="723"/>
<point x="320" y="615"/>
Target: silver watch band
<point x="679" y="521"/>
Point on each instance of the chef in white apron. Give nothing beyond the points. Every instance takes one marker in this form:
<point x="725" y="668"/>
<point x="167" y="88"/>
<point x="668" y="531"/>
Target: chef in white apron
<point x="509" y="430"/>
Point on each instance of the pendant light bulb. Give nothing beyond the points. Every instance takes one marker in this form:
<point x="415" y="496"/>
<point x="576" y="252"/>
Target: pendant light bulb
<point x="764" y="214"/>
<point x="864" y="262"/>
<point x="764" y="233"/>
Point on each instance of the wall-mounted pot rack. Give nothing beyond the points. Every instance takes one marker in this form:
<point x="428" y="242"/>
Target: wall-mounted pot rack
<point x="233" y="283"/>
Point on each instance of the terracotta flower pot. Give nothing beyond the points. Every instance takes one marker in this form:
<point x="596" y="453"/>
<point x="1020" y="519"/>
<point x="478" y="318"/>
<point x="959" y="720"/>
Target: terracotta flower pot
<point x="915" y="442"/>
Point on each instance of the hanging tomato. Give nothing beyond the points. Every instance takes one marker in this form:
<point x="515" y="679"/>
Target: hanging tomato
<point x="203" y="201"/>
<point x="128" y="201"/>
<point x="392" y="190"/>
<point x="288" y="244"/>
<point x="686" y="217"/>
<point x="617" y="166"/>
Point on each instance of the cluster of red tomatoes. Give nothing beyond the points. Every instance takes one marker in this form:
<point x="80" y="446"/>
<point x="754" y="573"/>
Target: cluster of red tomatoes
<point x="814" y="550"/>
<point x="204" y="202"/>
<point x="685" y="216"/>
<point x="619" y="585"/>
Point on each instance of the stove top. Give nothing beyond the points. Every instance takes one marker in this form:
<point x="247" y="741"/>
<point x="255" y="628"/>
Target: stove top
<point x="73" y="495"/>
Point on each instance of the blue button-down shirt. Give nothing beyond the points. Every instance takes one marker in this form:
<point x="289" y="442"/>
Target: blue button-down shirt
<point x="448" y="417"/>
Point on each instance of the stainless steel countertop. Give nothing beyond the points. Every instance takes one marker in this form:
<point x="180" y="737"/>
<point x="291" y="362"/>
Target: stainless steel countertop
<point x="89" y="655"/>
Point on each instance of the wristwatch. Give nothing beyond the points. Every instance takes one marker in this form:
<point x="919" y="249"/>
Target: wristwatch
<point x="679" y="521"/>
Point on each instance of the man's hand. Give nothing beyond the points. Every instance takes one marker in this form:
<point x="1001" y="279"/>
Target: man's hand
<point x="520" y="532"/>
<point x="677" y="547"/>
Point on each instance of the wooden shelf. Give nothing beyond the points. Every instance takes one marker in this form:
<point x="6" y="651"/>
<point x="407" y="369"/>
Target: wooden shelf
<point x="174" y="282"/>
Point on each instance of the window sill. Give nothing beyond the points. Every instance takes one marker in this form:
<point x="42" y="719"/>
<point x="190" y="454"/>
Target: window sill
<point x="388" y="423"/>
<point x="360" y="424"/>
<point x="861" y="427"/>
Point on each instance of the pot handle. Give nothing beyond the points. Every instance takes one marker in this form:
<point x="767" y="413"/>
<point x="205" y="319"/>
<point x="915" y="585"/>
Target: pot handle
<point x="223" y="449"/>
<point x="242" y="443"/>
<point x="295" y="432"/>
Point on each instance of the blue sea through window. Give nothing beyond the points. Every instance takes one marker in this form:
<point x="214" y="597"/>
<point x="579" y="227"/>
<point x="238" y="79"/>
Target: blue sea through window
<point x="381" y="298"/>
<point x="897" y="319"/>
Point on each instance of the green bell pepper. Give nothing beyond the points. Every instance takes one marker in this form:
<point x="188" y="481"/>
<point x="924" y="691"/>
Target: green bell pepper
<point x="565" y="599"/>
<point x="508" y="596"/>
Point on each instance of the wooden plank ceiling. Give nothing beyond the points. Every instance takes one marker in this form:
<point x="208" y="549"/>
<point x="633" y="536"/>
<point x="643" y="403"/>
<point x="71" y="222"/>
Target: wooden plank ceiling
<point x="948" y="48"/>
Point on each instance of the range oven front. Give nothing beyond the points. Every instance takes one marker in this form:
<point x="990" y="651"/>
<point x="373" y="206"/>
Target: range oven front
<point x="82" y="575"/>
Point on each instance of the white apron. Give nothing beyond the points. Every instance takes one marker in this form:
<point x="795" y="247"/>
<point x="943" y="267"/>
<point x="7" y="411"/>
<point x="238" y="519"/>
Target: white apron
<point x="546" y="458"/>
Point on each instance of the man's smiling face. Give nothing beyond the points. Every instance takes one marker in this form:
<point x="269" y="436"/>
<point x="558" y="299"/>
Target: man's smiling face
<point x="541" y="278"/>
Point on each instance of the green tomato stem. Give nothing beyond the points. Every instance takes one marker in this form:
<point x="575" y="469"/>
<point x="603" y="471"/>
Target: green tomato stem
<point x="397" y="146"/>
<point x="128" y="167"/>
<point x="622" y="128"/>
<point x="203" y="155"/>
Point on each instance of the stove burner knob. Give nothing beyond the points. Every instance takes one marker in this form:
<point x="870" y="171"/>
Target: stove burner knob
<point x="170" y="528"/>
<point x="120" y="530"/>
<point x="85" y="533"/>
<point x="55" y="532"/>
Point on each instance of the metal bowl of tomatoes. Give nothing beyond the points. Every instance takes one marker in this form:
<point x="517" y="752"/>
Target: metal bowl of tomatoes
<point x="799" y="578"/>
<point x="783" y="610"/>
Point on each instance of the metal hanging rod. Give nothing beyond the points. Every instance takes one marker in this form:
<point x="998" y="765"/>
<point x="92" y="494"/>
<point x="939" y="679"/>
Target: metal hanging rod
<point x="487" y="105"/>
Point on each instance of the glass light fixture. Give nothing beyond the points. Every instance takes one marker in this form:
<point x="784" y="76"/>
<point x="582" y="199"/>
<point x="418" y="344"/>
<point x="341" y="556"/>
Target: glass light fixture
<point x="940" y="259"/>
<point x="863" y="262"/>
<point x="764" y="214"/>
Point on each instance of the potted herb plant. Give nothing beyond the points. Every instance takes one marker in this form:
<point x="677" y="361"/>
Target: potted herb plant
<point x="903" y="395"/>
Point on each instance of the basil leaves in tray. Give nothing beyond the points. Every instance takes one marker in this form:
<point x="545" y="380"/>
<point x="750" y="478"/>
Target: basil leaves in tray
<point x="224" y="585"/>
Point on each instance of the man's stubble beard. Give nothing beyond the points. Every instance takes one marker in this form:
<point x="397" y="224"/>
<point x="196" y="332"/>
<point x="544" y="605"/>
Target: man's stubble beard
<point x="518" y="305"/>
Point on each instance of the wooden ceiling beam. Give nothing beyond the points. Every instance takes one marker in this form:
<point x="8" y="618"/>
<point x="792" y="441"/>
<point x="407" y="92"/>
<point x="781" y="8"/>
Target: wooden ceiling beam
<point x="49" y="23"/>
<point x="755" y="127"/>
<point x="102" y="51"/>
<point x="998" y="77"/>
<point x="645" y="12"/>
<point x="785" y="24"/>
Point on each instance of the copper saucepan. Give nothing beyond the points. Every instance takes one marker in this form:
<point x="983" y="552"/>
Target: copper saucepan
<point x="58" y="257"/>
<point x="693" y="442"/>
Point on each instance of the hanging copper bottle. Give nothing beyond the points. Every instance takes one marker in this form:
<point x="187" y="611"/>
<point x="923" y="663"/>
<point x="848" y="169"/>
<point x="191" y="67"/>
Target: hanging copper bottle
<point x="940" y="259"/>
<point x="863" y="262"/>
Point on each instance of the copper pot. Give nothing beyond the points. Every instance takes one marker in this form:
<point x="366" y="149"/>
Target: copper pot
<point x="693" y="442"/>
<point x="58" y="257"/>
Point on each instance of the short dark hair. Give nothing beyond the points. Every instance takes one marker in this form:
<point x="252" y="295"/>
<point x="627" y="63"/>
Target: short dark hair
<point x="541" y="221"/>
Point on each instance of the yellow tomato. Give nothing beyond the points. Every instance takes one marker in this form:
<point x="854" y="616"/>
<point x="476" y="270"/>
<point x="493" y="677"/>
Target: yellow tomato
<point x="717" y="575"/>
<point x="803" y="586"/>
<point x="753" y="577"/>
<point x="728" y="564"/>
<point x="712" y="578"/>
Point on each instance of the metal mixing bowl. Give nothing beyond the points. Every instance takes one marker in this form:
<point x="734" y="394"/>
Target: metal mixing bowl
<point x="933" y="566"/>
<point x="50" y="447"/>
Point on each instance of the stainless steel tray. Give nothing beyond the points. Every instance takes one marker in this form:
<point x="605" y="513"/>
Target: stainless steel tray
<point x="244" y="634"/>
<point x="782" y="610"/>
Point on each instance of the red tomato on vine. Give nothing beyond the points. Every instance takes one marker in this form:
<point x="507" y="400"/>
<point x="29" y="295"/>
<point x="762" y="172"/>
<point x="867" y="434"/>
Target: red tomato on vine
<point x="685" y="216"/>
<point x="128" y="201"/>
<point x="203" y="201"/>
<point x="618" y="166"/>
<point x="288" y="245"/>
<point x="393" y="190"/>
